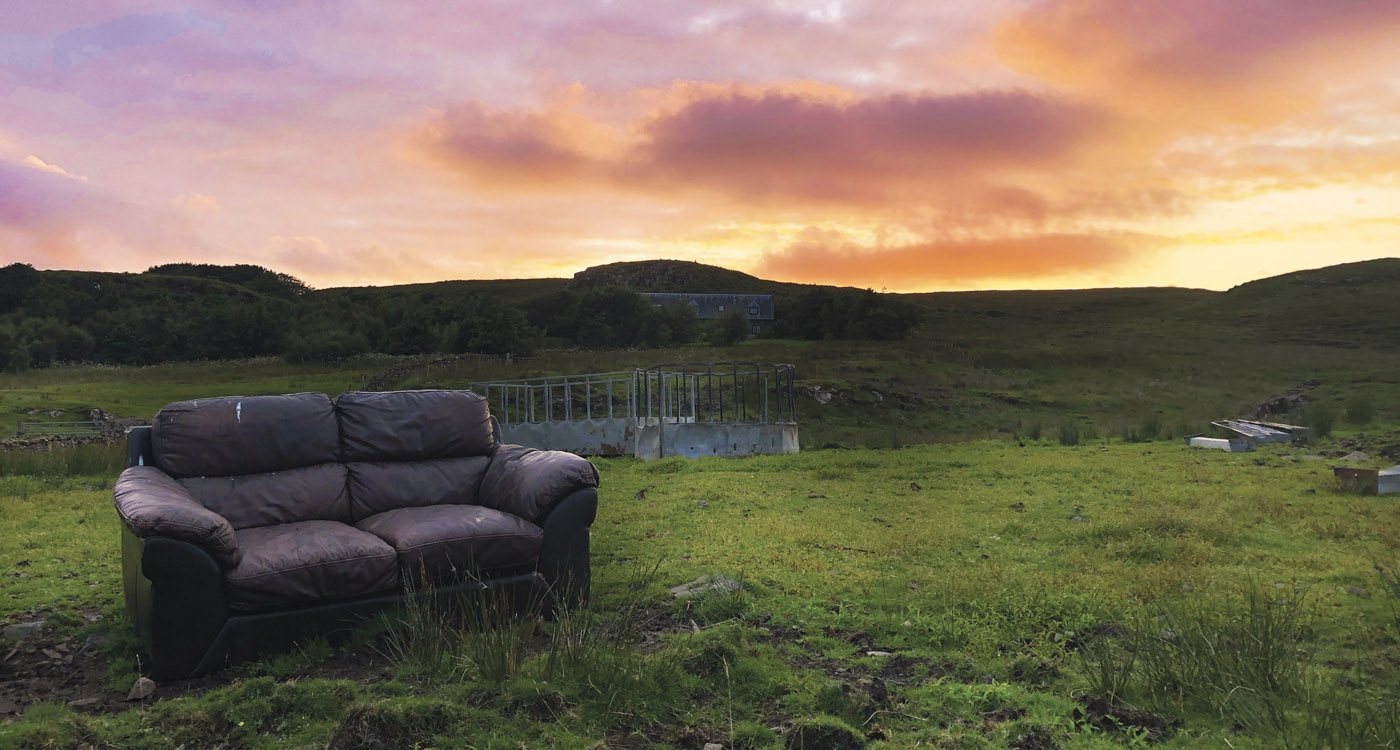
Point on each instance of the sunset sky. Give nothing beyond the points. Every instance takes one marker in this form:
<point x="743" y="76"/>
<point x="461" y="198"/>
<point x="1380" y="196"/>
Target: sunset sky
<point x="906" y="144"/>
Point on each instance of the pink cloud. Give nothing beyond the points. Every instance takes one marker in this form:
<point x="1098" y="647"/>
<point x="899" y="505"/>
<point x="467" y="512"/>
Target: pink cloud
<point x="779" y="145"/>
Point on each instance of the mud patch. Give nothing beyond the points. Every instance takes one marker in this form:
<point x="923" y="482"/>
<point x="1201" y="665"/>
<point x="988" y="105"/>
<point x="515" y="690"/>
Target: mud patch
<point x="1107" y="717"/>
<point x="1033" y="738"/>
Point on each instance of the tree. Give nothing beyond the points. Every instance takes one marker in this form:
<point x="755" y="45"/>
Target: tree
<point x="729" y="328"/>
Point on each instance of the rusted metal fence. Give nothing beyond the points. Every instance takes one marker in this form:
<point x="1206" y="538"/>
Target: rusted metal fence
<point x="561" y="398"/>
<point x="735" y="392"/>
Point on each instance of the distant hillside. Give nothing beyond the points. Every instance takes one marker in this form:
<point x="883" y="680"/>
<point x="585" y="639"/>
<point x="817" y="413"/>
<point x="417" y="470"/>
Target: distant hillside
<point x="1350" y="305"/>
<point x="196" y="311"/>
<point x="675" y="276"/>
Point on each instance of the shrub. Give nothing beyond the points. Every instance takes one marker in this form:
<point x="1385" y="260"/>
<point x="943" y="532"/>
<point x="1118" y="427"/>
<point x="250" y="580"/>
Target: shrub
<point x="1069" y="432"/>
<point x="1360" y="411"/>
<point x="1320" y="418"/>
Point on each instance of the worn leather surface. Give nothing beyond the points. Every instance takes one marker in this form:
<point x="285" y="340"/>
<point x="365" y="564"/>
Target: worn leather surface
<point x="234" y="435"/>
<point x="447" y="541"/>
<point x="414" y="425"/>
<point x="307" y="562"/>
<point x="311" y="493"/>
<point x="152" y="504"/>
<point x="380" y="486"/>
<point x="528" y="482"/>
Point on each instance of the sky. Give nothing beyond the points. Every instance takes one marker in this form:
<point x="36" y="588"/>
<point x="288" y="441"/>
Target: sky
<point x="904" y="145"/>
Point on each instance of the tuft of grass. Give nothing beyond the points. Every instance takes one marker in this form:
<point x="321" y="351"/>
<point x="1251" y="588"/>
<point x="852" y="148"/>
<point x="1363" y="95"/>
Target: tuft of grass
<point x="1108" y="664"/>
<point x="1069" y="433"/>
<point x="1246" y="649"/>
<point x="92" y="459"/>
<point x="419" y="635"/>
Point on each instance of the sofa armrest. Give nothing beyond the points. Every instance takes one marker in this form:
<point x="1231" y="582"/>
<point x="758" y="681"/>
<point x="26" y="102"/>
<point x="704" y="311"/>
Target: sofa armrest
<point x="564" y="555"/>
<point x="152" y="504"/>
<point x="529" y="483"/>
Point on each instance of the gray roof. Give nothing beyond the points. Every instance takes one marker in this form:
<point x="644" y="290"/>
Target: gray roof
<point x="708" y="306"/>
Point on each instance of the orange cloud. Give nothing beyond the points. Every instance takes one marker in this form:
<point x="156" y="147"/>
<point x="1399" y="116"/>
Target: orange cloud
<point x="825" y="258"/>
<point x="1202" y="63"/>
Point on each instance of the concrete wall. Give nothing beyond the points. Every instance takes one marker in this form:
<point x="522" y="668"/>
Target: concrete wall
<point x="715" y="439"/>
<point x="586" y="437"/>
<point x="654" y="438"/>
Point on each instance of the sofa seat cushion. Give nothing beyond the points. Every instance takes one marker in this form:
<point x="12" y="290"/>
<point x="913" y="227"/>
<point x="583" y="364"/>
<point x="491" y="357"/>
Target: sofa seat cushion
<point x="307" y="562"/>
<point x="444" y="541"/>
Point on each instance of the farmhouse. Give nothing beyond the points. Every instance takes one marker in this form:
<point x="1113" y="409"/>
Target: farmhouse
<point x="758" y="308"/>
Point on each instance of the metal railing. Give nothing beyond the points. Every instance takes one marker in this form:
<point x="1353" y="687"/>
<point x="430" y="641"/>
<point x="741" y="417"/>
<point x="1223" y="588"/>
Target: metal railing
<point x="760" y="392"/>
<point x="86" y="427"/>
<point x="561" y="398"/>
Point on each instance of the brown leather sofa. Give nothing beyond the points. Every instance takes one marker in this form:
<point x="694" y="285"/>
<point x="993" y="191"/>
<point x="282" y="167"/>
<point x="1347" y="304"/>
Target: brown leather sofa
<point x="250" y="521"/>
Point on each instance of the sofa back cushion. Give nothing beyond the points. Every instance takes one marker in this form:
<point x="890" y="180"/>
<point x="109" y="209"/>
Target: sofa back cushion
<point x="413" y="425"/>
<point x="311" y="493"/>
<point x="378" y="486"/>
<point x="240" y="435"/>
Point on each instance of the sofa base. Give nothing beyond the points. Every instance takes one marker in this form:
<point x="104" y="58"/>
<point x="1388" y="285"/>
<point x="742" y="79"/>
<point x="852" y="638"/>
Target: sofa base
<point x="248" y="635"/>
<point x="174" y="596"/>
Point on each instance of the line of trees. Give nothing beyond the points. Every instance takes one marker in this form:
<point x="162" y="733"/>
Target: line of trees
<point x="190" y="311"/>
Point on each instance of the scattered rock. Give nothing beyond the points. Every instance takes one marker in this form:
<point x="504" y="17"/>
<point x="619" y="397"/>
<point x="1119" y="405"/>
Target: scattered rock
<point x="1168" y="635"/>
<point x="84" y="702"/>
<point x="1311" y="457"/>
<point x="96" y="641"/>
<point x="1296" y="398"/>
<point x="1077" y="519"/>
<point x="713" y="746"/>
<point x="142" y="689"/>
<point x="1356" y="591"/>
<point x="877" y="653"/>
<point x="701" y="504"/>
<point x="1355" y="456"/>
<point x="1186" y="588"/>
<point x="20" y="631"/>
<point x="1018" y="507"/>
<point x="706" y="584"/>
<point x="915" y="486"/>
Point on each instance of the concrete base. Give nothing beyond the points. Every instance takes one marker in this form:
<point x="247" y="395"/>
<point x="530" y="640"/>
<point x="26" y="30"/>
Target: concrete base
<point x="585" y="437"/>
<point x="654" y="438"/>
<point x="715" y="439"/>
<point x="1220" y="444"/>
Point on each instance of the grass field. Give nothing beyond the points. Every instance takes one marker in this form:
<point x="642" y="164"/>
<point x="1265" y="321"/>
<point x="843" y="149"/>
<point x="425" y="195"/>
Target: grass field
<point x="999" y="507"/>
<point x="1006" y="583"/>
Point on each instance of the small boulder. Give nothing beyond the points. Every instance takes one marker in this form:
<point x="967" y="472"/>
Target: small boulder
<point x="143" y="688"/>
<point x="22" y="630"/>
<point x="1355" y="456"/>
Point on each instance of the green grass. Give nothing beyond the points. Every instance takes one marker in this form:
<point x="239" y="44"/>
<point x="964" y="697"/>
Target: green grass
<point x="962" y="559"/>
